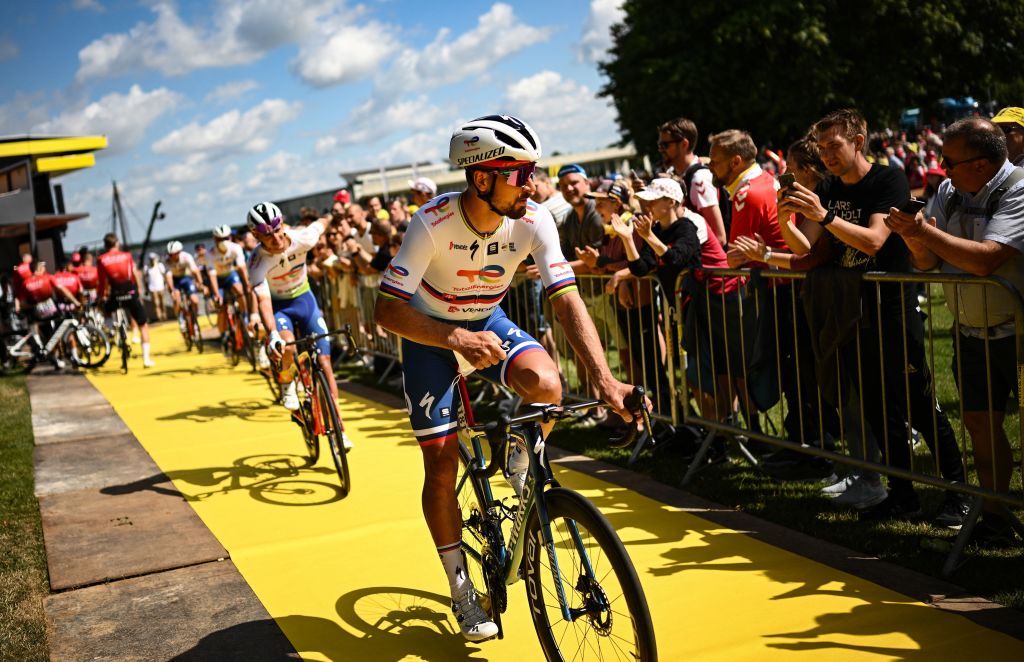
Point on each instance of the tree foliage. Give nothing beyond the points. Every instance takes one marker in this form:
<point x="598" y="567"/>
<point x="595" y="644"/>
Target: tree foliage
<point x="775" y="66"/>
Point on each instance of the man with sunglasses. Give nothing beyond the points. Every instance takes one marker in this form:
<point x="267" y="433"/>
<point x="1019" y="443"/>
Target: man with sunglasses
<point x="287" y="307"/>
<point x="677" y="140"/>
<point x="441" y="294"/>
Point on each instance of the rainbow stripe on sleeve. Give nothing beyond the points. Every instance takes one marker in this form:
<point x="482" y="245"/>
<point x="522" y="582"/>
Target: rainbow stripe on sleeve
<point x="559" y="288"/>
<point x="393" y="292"/>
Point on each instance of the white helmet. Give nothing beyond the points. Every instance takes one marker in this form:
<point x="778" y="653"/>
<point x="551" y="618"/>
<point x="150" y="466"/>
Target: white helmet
<point x="494" y="140"/>
<point x="264" y="218"/>
<point x="222" y="232"/>
<point x="174" y="247"/>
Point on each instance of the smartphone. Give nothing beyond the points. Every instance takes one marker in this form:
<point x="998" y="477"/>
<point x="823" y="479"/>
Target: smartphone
<point x="912" y="206"/>
<point x="786" y="180"/>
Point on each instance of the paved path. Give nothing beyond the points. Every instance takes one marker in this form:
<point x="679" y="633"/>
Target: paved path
<point x="357" y="578"/>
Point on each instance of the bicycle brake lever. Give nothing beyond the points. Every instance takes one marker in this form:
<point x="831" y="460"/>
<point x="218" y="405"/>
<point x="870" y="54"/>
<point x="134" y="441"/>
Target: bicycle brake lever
<point x="635" y="402"/>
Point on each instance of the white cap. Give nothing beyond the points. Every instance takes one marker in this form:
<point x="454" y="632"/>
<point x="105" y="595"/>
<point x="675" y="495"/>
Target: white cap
<point x="663" y="187"/>
<point x="423" y="185"/>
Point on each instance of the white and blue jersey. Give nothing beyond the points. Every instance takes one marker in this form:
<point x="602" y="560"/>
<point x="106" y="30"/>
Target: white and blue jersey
<point x="226" y="264"/>
<point x="181" y="269"/>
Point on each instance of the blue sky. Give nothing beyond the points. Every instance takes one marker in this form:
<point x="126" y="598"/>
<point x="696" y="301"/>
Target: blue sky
<point x="211" y="106"/>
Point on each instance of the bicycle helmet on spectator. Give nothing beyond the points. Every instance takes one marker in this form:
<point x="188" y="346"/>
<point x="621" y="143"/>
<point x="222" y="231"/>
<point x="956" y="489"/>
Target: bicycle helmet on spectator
<point x="264" y="218"/>
<point x="222" y="232"/>
<point x="494" y="141"/>
<point x="174" y="247"/>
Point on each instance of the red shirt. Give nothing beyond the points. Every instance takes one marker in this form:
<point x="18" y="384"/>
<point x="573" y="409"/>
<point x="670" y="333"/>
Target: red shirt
<point x="754" y="209"/>
<point x="89" y="276"/>
<point x="38" y="288"/>
<point x="712" y="256"/>
<point x="69" y="281"/>
<point x="116" y="269"/>
<point x="21" y="272"/>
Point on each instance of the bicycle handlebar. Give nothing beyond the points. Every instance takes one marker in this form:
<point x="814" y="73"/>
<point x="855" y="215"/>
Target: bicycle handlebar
<point x="497" y="431"/>
<point x="309" y="340"/>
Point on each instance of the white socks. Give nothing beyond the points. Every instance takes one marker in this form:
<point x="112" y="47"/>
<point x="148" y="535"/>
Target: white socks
<point x="454" y="561"/>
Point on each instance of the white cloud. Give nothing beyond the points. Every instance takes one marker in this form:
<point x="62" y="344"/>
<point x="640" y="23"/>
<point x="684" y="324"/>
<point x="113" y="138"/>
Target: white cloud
<point x="597" y="31"/>
<point x="371" y="121"/>
<point x="498" y="34"/>
<point x="91" y="5"/>
<point x="343" y="53"/>
<point x="123" y="118"/>
<point x="419" y="147"/>
<point x="230" y="91"/>
<point x="232" y="132"/>
<point x="8" y="49"/>
<point x="325" y="145"/>
<point x="23" y="112"/>
<point x="568" y="116"/>
<point x="195" y="167"/>
<point x="239" y="32"/>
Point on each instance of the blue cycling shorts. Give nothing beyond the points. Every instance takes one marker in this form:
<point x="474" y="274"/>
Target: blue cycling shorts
<point x="186" y="285"/>
<point x="302" y="317"/>
<point x="430" y="374"/>
<point x="227" y="281"/>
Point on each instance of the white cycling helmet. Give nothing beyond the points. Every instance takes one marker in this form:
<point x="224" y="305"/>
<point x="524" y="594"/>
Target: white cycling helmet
<point x="264" y="218"/>
<point x="222" y="232"/>
<point x="493" y="141"/>
<point x="174" y="247"/>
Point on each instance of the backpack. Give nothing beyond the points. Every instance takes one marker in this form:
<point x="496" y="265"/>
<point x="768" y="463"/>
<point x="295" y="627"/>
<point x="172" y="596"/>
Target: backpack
<point x="723" y="195"/>
<point x="955" y="201"/>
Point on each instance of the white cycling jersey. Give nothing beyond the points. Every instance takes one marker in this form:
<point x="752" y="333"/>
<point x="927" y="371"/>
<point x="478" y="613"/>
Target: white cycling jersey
<point x="283" y="276"/>
<point x="447" y="269"/>
<point x="184" y="265"/>
<point x="226" y="262"/>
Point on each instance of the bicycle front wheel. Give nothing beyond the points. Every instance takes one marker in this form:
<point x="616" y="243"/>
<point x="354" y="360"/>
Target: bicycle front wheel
<point x="88" y="346"/>
<point x="333" y="432"/>
<point x="186" y="330"/>
<point x="197" y="336"/>
<point x="607" y="607"/>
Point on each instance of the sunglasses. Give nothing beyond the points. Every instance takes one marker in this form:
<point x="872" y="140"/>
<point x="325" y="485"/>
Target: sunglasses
<point x="217" y="240"/>
<point x="268" y="229"/>
<point x="518" y="176"/>
<point x="662" y="144"/>
<point x="950" y="164"/>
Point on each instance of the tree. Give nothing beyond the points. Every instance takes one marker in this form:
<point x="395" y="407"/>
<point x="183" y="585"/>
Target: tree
<point x="775" y="66"/>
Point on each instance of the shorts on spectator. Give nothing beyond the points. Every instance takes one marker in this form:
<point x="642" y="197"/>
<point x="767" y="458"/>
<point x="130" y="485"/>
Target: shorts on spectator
<point x="971" y="379"/>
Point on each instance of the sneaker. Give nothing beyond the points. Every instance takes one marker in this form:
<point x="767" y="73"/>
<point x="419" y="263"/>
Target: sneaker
<point x="993" y="533"/>
<point x="834" y="488"/>
<point x="346" y="443"/>
<point x="860" y="494"/>
<point x="474" y="622"/>
<point x="147" y="363"/>
<point x="289" y="399"/>
<point x="893" y="508"/>
<point x="953" y="512"/>
<point x="136" y="340"/>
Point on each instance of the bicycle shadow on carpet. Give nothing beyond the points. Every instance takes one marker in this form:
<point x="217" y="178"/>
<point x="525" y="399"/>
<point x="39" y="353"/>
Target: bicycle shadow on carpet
<point x="280" y="480"/>
<point x="248" y="409"/>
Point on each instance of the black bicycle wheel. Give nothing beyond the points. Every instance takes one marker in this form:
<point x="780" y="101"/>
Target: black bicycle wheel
<point x="333" y="432"/>
<point x="611" y="620"/>
<point x="185" y="324"/>
<point x="234" y="339"/>
<point x="210" y="308"/>
<point x="87" y="345"/>
<point x="197" y="336"/>
<point x="125" y="347"/>
<point x="481" y="534"/>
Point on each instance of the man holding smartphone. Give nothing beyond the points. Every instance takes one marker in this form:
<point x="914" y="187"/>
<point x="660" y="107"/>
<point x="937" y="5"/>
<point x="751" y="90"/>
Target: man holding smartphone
<point x="851" y="205"/>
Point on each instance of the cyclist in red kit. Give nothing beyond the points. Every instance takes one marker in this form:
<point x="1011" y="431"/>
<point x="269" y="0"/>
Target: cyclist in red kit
<point x="118" y="287"/>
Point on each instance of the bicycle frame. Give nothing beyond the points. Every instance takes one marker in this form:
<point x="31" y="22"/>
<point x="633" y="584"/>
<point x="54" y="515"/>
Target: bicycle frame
<point x="539" y="478"/>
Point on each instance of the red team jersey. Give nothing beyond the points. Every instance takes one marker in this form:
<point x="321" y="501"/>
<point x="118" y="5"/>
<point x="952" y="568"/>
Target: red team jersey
<point x="69" y="281"/>
<point x="116" y="271"/>
<point x="37" y="288"/>
<point x="89" y="276"/>
<point x="754" y="210"/>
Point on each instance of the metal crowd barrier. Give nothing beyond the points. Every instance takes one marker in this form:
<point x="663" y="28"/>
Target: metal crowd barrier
<point x="740" y="363"/>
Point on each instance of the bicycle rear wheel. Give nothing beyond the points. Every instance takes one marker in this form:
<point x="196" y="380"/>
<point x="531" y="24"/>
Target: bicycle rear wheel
<point x="197" y="336"/>
<point x="125" y="347"/>
<point x="185" y="324"/>
<point x="333" y="431"/>
<point x="609" y="614"/>
<point x="481" y="539"/>
<point x="87" y="346"/>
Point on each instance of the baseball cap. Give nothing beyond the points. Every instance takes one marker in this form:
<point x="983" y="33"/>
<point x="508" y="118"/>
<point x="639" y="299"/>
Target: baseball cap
<point x="1010" y="115"/>
<point x="663" y="187"/>
<point x="616" y="191"/>
<point x="76" y="258"/>
<point x="423" y="185"/>
<point x="571" y="169"/>
<point x="343" y="196"/>
<point x="937" y="171"/>
<point x="384" y="215"/>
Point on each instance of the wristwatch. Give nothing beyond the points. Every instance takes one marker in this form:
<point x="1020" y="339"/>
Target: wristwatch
<point x="829" y="217"/>
<point x="767" y="254"/>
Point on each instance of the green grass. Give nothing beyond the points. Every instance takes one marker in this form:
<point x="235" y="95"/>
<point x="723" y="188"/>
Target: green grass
<point x="23" y="579"/>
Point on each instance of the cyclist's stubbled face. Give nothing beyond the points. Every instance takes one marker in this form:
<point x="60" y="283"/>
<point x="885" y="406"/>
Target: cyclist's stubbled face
<point x="274" y="243"/>
<point x="510" y="200"/>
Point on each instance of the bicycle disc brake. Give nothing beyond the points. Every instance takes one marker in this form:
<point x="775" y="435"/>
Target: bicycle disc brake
<point x="595" y="605"/>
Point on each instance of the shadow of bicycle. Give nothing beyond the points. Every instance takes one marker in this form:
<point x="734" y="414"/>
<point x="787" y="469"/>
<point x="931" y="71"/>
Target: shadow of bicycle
<point x="249" y="409"/>
<point x="279" y="480"/>
<point x="401" y="622"/>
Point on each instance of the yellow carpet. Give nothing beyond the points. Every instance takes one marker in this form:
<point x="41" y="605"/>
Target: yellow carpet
<point x="358" y="578"/>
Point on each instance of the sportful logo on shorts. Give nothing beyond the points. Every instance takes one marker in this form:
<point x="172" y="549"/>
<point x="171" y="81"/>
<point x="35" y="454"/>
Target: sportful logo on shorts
<point x="489" y="274"/>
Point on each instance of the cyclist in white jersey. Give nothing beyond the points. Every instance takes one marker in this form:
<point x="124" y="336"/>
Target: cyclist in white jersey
<point x="183" y="277"/>
<point x="226" y="267"/>
<point x="277" y="270"/>
<point x="441" y="294"/>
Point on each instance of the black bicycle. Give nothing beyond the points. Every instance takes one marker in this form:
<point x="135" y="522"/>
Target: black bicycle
<point x="585" y="597"/>
<point x="121" y="328"/>
<point x="84" y="344"/>
<point x="318" y="414"/>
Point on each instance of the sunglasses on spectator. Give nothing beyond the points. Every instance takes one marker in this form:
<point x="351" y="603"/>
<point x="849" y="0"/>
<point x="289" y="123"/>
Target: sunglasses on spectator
<point x="950" y="164"/>
<point x="267" y="229"/>
<point x="662" y="144"/>
<point x="517" y="176"/>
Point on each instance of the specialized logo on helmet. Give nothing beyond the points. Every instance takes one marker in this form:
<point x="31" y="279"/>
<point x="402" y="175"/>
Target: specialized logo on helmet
<point x="489" y="274"/>
<point x="483" y="156"/>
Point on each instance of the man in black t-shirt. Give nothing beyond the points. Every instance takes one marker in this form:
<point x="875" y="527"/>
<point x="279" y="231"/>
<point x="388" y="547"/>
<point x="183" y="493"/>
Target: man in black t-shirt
<point x="850" y="206"/>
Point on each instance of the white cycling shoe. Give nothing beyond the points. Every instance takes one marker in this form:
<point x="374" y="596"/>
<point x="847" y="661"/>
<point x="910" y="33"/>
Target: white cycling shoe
<point x="289" y="399"/>
<point x="474" y="622"/>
